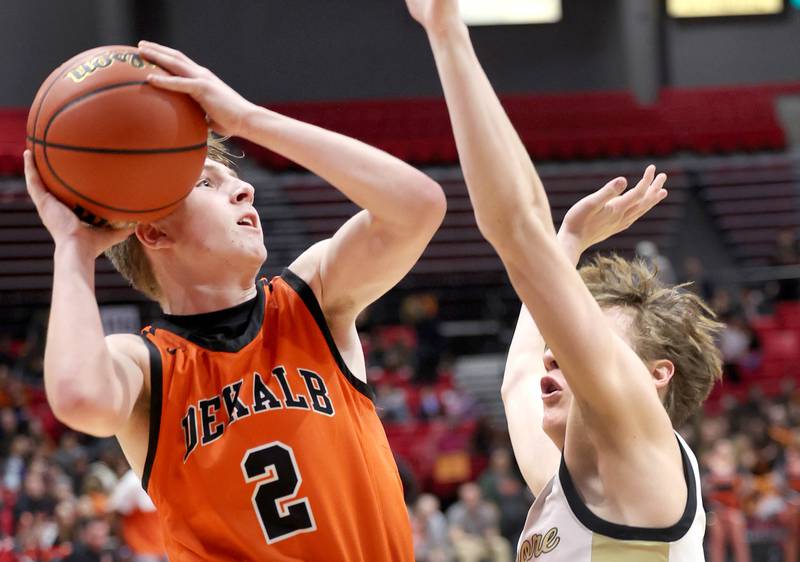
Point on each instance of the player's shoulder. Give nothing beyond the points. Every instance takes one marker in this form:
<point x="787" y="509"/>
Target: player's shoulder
<point x="128" y="347"/>
<point x="307" y="265"/>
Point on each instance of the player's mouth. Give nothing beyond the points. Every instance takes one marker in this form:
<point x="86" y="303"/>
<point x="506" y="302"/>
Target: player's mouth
<point x="551" y="390"/>
<point x="249" y="220"/>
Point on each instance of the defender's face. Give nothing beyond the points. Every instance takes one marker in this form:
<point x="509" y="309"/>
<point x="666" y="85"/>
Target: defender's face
<point x="556" y="394"/>
<point x="556" y="400"/>
<point x="218" y="220"/>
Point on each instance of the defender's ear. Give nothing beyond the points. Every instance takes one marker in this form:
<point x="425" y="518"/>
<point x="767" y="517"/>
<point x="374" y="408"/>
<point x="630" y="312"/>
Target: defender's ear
<point x="662" y="371"/>
<point x="153" y="237"/>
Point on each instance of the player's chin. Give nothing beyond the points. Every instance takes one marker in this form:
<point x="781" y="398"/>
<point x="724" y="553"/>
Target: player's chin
<point x="554" y="425"/>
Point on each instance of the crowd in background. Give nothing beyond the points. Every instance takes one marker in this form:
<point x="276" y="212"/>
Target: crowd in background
<point x="65" y="496"/>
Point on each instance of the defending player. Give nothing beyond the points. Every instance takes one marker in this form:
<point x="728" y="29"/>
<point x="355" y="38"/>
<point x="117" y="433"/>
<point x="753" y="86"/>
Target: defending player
<point x="245" y="409"/>
<point x="626" y="358"/>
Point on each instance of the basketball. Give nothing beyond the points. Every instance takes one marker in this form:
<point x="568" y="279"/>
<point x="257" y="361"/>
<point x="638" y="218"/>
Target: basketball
<point x="110" y="146"/>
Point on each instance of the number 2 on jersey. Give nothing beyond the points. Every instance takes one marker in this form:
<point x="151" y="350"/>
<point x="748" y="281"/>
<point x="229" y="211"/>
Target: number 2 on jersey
<point x="274" y="467"/>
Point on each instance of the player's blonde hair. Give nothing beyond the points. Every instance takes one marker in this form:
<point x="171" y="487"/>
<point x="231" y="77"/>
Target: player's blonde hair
<point x="666" y="323"/>
<point x="129" y="257"/>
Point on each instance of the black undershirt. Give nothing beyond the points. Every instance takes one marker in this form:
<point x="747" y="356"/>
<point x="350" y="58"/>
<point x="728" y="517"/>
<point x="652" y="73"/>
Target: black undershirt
<point x="225" y="324"/>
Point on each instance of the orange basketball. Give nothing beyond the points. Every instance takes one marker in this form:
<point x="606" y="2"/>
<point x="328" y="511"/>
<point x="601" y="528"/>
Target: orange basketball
<point x="110" y="146"/>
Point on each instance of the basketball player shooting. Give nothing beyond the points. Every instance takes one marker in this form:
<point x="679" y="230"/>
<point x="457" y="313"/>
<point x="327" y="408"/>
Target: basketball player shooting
<point x="245" y="408"/>
<point x="626" y="358"/>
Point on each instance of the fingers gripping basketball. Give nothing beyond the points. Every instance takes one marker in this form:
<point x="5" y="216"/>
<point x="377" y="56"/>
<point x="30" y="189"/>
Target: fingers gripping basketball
<point x="110" y="146"/>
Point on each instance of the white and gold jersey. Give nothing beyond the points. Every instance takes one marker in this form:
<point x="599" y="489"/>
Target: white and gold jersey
<point x="561" y="528"/>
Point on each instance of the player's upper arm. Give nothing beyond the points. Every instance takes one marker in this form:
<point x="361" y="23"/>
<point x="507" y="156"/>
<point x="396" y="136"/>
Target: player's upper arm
<point x="103" y="408"/>
<point x="536" y="455"/>
<point x="602" y="370"/>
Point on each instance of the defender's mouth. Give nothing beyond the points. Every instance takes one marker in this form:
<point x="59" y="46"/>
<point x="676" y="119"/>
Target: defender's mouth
<point x="550" y="387"/>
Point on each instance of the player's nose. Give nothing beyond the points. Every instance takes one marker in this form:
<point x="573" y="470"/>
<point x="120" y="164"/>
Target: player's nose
<point x="243" y="193"/>
<point x="550" y="363"/>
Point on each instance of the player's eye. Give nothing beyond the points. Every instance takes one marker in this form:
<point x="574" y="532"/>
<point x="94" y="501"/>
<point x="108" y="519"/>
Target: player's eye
<point x="204" y="182"/>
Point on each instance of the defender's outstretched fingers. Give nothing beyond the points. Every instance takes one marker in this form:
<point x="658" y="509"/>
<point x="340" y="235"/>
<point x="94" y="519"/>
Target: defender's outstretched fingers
<point x="609" y="191"/>
<point x="640" y="188"/>
<point x="654" y="195"/>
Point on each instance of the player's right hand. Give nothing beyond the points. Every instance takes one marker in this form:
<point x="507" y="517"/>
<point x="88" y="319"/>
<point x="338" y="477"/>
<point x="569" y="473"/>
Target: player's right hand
<point x="63" y="225"/>
<point x="226" y="109"/>
<point x="436" y="16"/>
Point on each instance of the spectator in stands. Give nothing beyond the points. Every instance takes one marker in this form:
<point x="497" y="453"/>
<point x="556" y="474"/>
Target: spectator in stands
<point x="723" y="488"/>
<point x="69" y="451"/>
<point x="474" y="528"/>
<point x="648" y="251"/>
<point x="500" y="483"/>
<point x="694" y="273"/>
<point x="34" y="499"/>
<point x="500" y="467"/>
<point x="422" y="312"/>
<point x="791" y="552"/>
<point x="458" y="405"/>
<point x="738" y="346"/>
<point x="431" y="532"/>
<point x="787" y="253"/>
<point x="514" y="503"/>
<point x="390" y="401"/>
<point x="430" y="407"/>
<point x="94" y="544"/>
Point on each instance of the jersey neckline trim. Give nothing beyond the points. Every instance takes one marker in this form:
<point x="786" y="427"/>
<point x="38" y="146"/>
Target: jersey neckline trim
<point x="155" y="409"/>
<point x="626" y="532"/>
<point x="191" y="325"/>
<point x="308" y="297"/>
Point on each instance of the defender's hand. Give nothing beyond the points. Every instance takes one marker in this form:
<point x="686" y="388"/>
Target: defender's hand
<point x="225" y="108"/>
<point x="61" y="222"/>
<point x="436" y="16"/>
<point x="609" y="211"/>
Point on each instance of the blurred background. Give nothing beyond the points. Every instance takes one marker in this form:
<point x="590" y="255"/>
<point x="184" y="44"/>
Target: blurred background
<point x="709" y="90"/>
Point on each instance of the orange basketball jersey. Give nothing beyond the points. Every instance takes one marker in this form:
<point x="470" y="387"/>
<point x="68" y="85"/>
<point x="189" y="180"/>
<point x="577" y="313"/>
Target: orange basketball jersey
<point x="264" y="446"/>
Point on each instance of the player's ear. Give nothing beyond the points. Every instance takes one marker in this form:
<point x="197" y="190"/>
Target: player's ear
<point x="153" y="237"/>
<point x="662" y="371"/>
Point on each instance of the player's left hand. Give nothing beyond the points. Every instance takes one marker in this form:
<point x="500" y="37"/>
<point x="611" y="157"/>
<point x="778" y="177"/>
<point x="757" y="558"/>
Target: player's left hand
<point x="226" y="109"/>
<point x="611" y="209"/>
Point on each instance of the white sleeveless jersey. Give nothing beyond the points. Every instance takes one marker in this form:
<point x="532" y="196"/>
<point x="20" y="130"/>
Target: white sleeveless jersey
<point x="560" y="528"/>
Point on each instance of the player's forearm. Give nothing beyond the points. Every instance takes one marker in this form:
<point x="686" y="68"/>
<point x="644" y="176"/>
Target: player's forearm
<point x="500" y="176"/>
<point x="77" y="364"/>
<point x="527" y="337"/>
<point x="390" y="189"/>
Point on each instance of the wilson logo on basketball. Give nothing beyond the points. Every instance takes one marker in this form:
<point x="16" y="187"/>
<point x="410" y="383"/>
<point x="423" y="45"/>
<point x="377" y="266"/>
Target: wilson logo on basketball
<point x="104" y="60"/>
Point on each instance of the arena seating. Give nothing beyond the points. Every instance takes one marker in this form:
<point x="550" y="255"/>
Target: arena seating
<point x="560" y="126"/>
<point x="751" y="204"/>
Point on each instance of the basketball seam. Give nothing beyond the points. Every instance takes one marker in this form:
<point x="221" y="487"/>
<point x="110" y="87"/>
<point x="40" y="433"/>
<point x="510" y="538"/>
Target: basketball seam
<point x="100" y="150"/>
<point x="41" y="103"/>
<point x="71" y="189"/>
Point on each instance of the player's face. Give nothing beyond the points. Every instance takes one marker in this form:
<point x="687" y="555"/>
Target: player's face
<point x="556" y="399"/>
<point x="556" y="394"/>
<point x="218" y="221"/>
